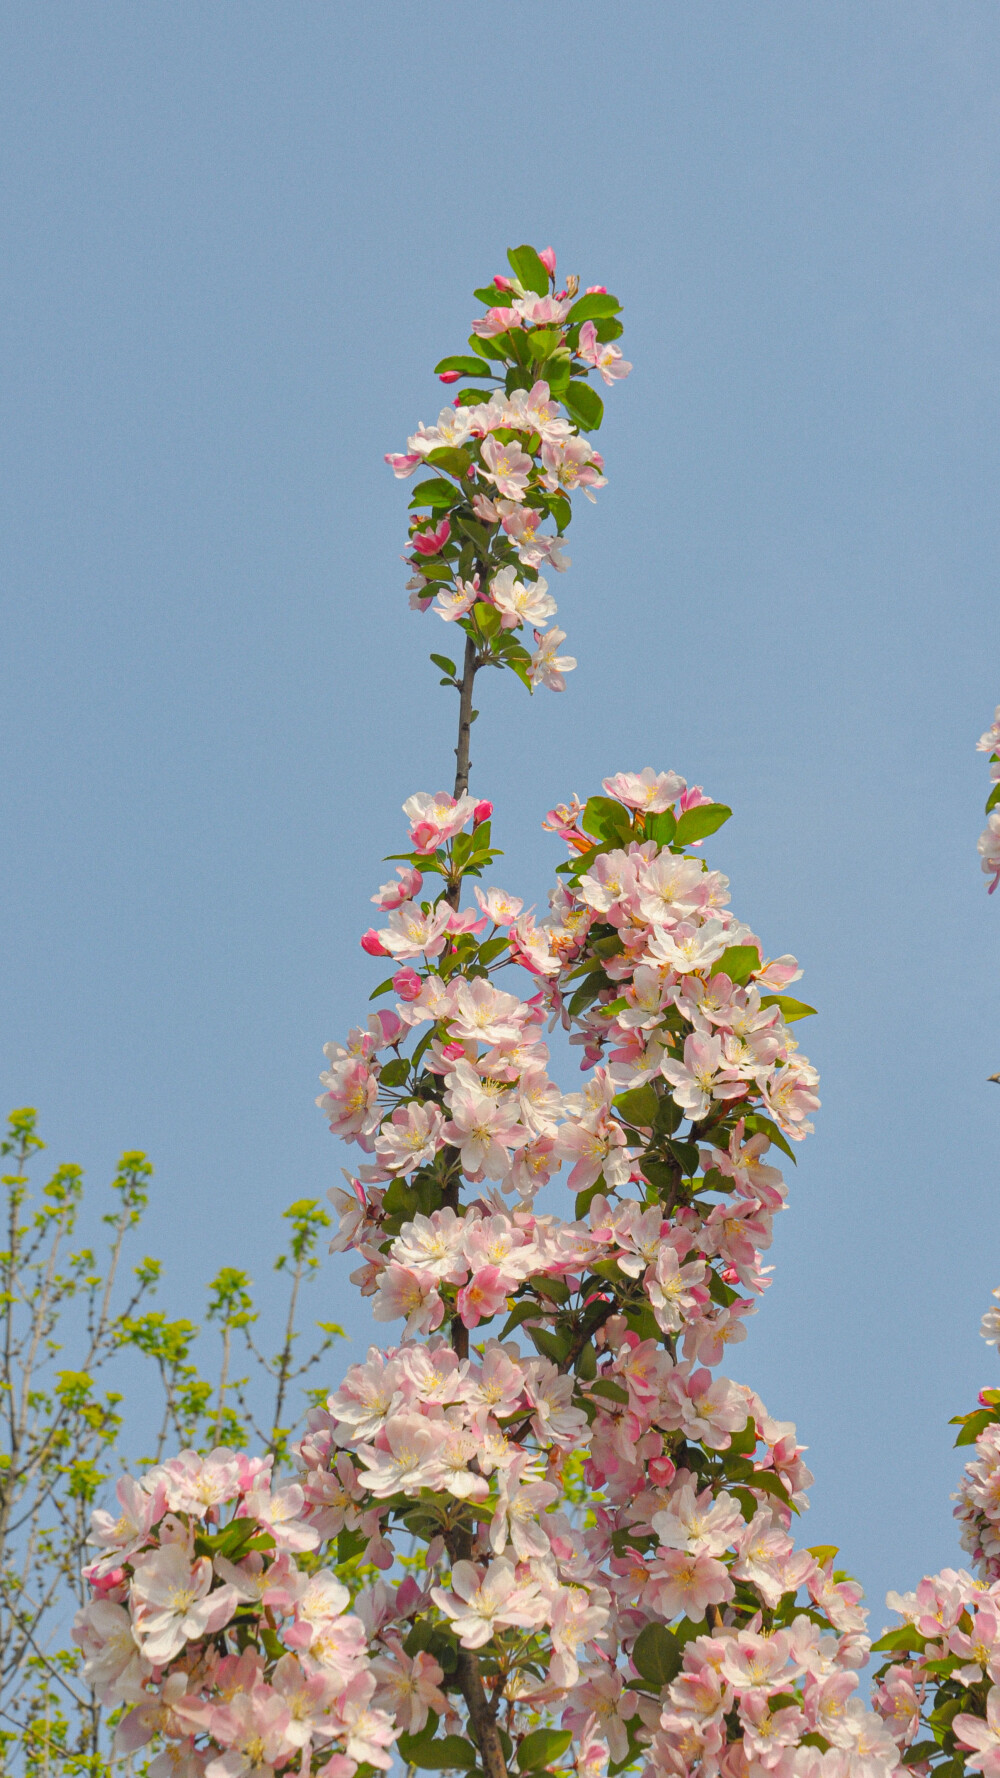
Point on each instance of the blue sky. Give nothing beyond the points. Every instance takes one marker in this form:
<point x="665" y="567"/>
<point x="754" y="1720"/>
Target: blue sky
<point x="236" y="241"/>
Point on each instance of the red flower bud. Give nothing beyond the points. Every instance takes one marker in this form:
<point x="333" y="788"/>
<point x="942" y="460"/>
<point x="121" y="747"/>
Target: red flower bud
<point x="373" y="944"/>
<point x="481" y="813"/>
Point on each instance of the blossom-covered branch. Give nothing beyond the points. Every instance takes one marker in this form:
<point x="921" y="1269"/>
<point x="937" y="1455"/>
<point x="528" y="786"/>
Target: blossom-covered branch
<point x="989" y="839"/>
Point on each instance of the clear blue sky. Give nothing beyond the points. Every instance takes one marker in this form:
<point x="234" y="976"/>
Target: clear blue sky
<point x="235" y="241"/>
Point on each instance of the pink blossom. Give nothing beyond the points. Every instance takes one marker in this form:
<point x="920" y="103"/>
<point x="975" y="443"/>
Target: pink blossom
<point x="429" y="543"/>
<point x="496" y="321"/>
<point x="403" y="465"/>
<point x="607" y="358"/>
<point x="392" y="895"/>
<point x="440" y="815"/>
<point x="683" y="1584"/>
<point x="547" y="666"/>
<point x="485" y="1295"/>
<point x="410" y="1293"/>
<point x="648" y="790"/>
<point x="173" y="1603"/>
<point x="507" y="466"/>
<point x="482" y="1601"/>
<point x="411" y="1137"/>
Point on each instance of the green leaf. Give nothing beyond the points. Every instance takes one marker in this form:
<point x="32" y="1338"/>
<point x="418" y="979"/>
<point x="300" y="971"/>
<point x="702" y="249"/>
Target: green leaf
<point x="489" y="348"/>
<point x="542" y="1748"/>
<point x="611" y="1390"/>
<point x="605" y="819"/>
<point x="921" y="1750"/>
<point x="738" y="962"/>
<point x="661" y="827"/>
<point x="395" y="1072"/>
<point x="542" y="341"/>
<point x="350" y="1544"/>
<point x="657" y="1655"/>
<point x="584" y="405"/>
<point x="551" y="1345"/>
<point x="974" y="1425"/>
<point x="696" y="824"/>
<point x="907" y="1638"/>
<point x="436" y="492"/>
<point x="561" y="510"/>
<point x="638" y="1107"/>
<point x="528" y="269"/>
<point x="447" y="457"/>
<point x="743" y="1443"/>
<point x="593" y="308"/>
<point x="993" y="798"/>
<point x="586" y="1364"/>
<point x="790" y="1008"/>
<point x="491" y="295"/>
<point x="446" y="666"/>
<point x="522" y="1311"/>
<point x="383" y="988"/>
<point x="452" y="1753"/>
<point x="468" y="366"/>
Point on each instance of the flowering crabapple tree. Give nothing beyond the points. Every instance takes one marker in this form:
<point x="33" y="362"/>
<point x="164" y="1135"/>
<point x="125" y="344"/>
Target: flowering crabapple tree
<point x="540" y="1531"/>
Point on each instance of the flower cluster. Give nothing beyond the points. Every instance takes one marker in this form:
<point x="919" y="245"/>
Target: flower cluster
<point x="216" y="1628"/>
<point x="508" y="456"/>
<point x="939" y="1690"/>
<point x="989" y="839"/>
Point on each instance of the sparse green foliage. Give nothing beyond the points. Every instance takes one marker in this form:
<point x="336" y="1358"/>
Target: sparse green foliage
<point x="72" y="1319"/>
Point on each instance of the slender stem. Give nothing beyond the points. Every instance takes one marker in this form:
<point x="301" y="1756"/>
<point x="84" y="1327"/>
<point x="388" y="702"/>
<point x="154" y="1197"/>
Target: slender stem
<point x="469" y="667"/>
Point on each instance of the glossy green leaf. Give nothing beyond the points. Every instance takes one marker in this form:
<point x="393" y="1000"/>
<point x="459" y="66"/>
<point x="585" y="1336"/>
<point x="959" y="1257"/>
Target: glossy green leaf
<point x="446" y="666"/>
<point x="584" y="405"/>
<point x="395" y="1072"/>
<point x="657" y="1655"/>
<point x="466" y="365"/>
<point x="593" y="308"/>
<point x="790" y="1009"/>
<point x="662" y="827"/>
<point x="738" y="962"/>
<point x="436" y="492"/>
<point x="974" y="1425"/>
<point x="696" y="824"/>
<point x="528" y="269"/>
<point x="452" y="1753"/>
<point x="638" y="1106"/>
<point x="605" y="819"/>
<point x="447" y="457"/>
<point x="542" y="1748"/>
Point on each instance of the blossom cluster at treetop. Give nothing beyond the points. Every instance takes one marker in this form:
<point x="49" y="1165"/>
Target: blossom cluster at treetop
<point x="509" y="454"/>
<point x="540" y="1531"/>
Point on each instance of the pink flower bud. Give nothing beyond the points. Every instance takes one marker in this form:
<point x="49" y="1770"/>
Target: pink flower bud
<point x="448" y="376"/>
<point x="693" y="798"/>
<point x="424" y="837"/>
<point x="548" y="259"/>
<point x="501" y="282"/>
<point x="407" y="984"/>
<point x="373" y="944"/>
<point x="661" y="1472"/>
<point x="481" y="813"/>
<point x="597" y="290"/>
